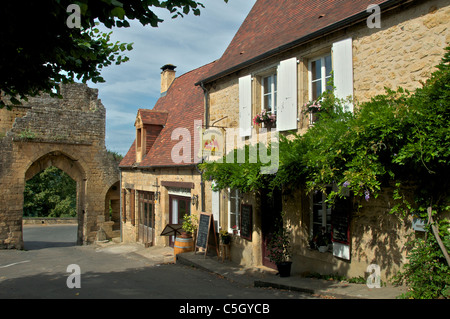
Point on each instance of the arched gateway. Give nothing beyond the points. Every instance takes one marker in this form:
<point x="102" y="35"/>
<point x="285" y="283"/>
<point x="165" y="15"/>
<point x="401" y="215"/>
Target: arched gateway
<point x="69" y="134"/>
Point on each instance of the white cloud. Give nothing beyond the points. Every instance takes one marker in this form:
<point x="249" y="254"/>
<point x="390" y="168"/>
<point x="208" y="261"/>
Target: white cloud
<point x="188" y="43"/>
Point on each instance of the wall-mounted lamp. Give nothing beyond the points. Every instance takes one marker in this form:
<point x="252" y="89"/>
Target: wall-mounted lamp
<point x="194" y="200"/>
<point x="157" y="196"/>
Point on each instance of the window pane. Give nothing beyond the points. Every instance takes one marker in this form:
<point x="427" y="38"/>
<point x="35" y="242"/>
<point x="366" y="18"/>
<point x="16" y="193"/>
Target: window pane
<point x="145" y="213"/>
<point x="316" y="69"/>
<point x="266" y="84"/>
<point x="316" y="89"/>
<point x="269" y="102"/>
<point x="274" y="94"/>
<point x="181" y="210"/>
<point x="328" y="67"/>
<point x="233" y="221"/>
<point x="275" y="103"/>
<point x="232" y="204"/>
<point x="174" y="211"/>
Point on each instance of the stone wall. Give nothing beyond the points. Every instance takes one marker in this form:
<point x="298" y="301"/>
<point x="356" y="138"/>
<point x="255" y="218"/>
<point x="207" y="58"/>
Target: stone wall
<point x="49" y="220"/>
<point x="68" y="133"/>
<point x="403" y="52"/>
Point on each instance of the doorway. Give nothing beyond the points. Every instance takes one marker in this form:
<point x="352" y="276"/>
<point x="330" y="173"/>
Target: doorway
<point x="146" y="218"/>
<point x="178" y="207"/>
<point x="271" y="208"/>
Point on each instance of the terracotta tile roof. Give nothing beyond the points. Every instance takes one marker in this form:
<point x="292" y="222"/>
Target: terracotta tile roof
<point x="153" y="117"/>
<point x="275" y="25"/>
<point x="130" y="158"/>
<point x="183" y="104"/>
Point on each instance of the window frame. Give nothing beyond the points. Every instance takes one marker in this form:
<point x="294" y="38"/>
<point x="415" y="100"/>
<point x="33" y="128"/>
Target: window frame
<point x="273" y="75"/>
<point x="323" y="76"/>
<point x="332" y="212"/>
<point x="237" y="208"/>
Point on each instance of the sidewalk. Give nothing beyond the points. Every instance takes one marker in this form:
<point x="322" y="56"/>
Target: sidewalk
<point x="265" y="277"/>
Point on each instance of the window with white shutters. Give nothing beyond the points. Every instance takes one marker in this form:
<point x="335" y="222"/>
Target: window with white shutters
<point x="245" y="106"/>
<point x="287" y="95"/>
<point x="343" y="70"/>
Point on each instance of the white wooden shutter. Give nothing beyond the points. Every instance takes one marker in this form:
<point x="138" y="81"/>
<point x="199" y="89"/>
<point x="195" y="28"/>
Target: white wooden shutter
<point x="287" y="95"/>
<point x="245" y="106"/>
<point x="215" y="209"/>
<point x="343" y="70"/>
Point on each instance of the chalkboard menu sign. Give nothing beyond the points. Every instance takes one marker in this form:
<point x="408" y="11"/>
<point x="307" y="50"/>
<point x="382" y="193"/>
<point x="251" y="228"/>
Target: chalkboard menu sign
<point x="205" y="228"/>
<point x="246" y="222"/>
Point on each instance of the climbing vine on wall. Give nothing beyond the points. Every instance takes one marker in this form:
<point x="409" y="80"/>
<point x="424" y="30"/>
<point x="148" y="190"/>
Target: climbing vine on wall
<point x="397" y="139"/>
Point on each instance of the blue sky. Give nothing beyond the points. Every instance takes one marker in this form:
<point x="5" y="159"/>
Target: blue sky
<point x="188" y="43"/>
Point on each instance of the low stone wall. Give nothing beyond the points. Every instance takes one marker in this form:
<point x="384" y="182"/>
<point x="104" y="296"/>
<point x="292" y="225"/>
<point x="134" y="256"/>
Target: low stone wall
<point x="49" y="220"/>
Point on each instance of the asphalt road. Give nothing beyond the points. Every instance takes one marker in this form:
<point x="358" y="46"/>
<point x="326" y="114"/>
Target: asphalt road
<point x="41" y="272"/>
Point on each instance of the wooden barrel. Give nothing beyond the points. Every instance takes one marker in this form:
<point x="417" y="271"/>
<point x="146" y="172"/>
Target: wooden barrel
<point x="183" y="245"/>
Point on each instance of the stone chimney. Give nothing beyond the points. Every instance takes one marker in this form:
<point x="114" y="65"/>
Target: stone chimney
<point x="167" y="77"/>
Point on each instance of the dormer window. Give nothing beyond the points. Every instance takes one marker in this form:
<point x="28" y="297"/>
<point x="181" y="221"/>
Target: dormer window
<point x="149" y="124"/>
<point x="139" y="139"/>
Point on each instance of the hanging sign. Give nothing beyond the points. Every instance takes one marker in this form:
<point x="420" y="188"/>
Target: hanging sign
<point x="212" y="143"/>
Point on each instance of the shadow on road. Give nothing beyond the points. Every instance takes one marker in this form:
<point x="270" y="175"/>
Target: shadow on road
<point x="35" y="245"/>
<point x="45" y="236"/>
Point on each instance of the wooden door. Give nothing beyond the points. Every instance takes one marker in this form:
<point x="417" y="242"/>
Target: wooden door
<point x="146" y="216"/>
<point x="270" y="214"/>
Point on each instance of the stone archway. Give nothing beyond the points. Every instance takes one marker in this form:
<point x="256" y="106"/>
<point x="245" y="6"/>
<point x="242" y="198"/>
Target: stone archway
<point x="68" y="133"/>
<point x="111" y="225"/>
<point x="72" y="168"/>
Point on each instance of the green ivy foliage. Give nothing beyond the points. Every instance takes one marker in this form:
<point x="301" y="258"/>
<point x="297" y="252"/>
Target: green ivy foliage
<point x="242" y="172"/>
<point x="427" y="274"/>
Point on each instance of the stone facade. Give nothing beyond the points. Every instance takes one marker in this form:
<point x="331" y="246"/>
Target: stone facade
<point x="160" y="181"/>
<point x="403" y="52"/>
<point x="152" y="181"/>
<point x="68" y="133"/>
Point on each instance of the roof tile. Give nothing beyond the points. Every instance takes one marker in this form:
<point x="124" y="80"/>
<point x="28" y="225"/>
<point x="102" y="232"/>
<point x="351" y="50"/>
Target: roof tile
<point x="183" y="104"/>
<point x="272" y="24"/>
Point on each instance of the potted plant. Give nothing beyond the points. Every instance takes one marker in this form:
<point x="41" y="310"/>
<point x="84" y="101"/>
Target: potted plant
<point x="225" y="237"/>
<point x="190" y="224"/>
<point x="265" y="117"/>
<point x="312" y="108"/>
<point x="235" y="230"/>
<point x="280" y="251"/>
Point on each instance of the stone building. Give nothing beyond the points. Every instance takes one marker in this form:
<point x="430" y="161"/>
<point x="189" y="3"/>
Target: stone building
<point x="281" y="58"/>
<point x="67" y="133"/>
<point x="160" y="181"/>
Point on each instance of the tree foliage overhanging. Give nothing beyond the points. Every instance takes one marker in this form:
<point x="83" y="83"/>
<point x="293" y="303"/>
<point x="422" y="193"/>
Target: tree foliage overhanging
<point x="39" y="50"/>
<point x="51" y="193"/>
